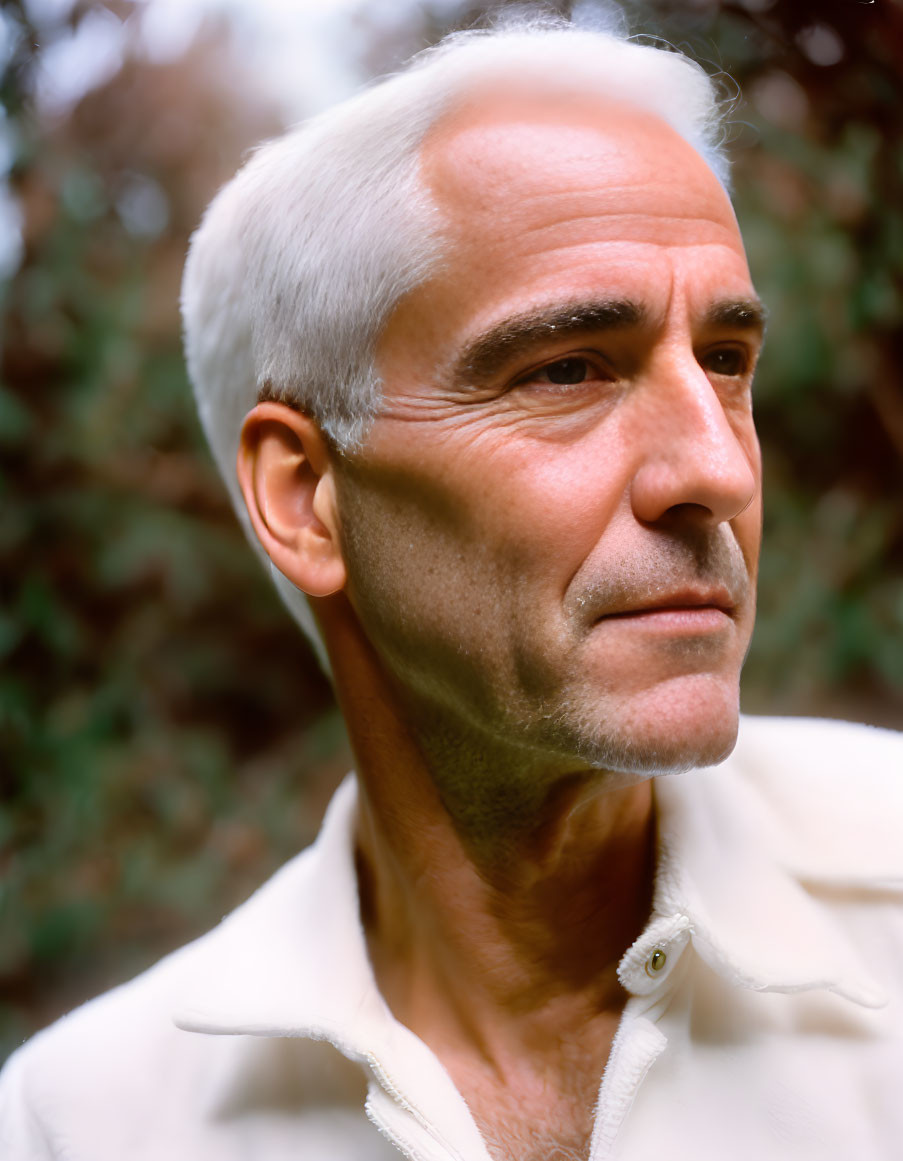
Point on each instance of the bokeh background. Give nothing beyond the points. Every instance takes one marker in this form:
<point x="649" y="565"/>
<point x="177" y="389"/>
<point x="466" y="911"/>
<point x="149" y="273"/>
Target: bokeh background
<point x="166" y="739"/>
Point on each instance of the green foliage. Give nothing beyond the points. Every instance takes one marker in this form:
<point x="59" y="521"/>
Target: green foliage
<point x="165" y="737"/>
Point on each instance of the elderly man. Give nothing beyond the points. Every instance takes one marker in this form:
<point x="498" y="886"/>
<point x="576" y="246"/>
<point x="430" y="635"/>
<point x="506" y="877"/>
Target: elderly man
<point x="483" y="340"/>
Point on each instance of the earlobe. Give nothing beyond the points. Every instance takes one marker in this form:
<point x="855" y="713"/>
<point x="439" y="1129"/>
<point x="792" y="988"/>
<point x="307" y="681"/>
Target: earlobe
<point x="285" y="470"/>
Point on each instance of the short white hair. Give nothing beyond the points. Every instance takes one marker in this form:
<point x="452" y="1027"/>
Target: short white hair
<point x="300" y="259"/>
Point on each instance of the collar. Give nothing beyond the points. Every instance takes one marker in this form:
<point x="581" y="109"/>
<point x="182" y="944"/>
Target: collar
<point x="748" y="850"/>
<point x="292" y="962"/>
<point x="740" y="849"/>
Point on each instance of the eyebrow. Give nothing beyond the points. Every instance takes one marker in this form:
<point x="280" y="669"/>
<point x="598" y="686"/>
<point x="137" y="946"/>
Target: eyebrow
<point x="738" y="313"/>
<point x="490" y="352"/>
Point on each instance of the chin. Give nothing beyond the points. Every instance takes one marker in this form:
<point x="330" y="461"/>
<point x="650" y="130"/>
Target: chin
<point x="687" y="723"/>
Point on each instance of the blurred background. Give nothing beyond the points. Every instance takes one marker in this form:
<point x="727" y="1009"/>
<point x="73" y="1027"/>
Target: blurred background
<point x="166" y="740"/>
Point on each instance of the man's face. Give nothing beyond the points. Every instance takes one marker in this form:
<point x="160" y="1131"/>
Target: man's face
<point x="552" y="530"/>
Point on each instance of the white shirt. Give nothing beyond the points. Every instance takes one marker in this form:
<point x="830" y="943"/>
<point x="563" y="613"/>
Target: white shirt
<point x="764" y="1019"/>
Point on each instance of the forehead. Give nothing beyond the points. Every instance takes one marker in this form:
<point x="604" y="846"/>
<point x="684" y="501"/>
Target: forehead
<point x="564" y="146"/>
<point x="553" y="198"/>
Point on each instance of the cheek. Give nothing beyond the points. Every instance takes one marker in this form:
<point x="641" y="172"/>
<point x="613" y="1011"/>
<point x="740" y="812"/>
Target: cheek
<point x="554" y="503"/>
<point x="472" y="524"/>
<point x="748" y="530"/>
<point x="422" y="554"/>
<point x="748" y="525"/>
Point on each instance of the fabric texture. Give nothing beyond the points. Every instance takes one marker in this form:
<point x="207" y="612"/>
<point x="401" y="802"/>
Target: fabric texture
<point x="764" y="1018"/>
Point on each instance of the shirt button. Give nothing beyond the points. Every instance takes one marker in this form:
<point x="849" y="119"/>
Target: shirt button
<point x="655" y="963"/>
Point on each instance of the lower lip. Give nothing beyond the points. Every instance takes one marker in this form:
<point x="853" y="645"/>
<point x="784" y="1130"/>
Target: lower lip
<point x="691" y="619"/>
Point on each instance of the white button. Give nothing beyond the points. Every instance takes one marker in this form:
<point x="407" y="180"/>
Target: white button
<point x="656" y="954"/>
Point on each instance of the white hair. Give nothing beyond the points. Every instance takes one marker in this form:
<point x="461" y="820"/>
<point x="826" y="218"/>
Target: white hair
<point x="301" y="258"/>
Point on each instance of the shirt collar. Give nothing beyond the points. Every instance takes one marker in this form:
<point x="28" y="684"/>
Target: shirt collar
<point x="293" y="962"/>
<point x="734" y="873"/>
<point x="746" y="850"/>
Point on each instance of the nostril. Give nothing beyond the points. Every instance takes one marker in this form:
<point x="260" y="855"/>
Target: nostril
<point x="686" y="513"/>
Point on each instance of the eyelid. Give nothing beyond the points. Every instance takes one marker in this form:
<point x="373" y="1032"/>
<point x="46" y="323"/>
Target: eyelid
<point x="747" y="352"/>
<point x="595" y="361"/>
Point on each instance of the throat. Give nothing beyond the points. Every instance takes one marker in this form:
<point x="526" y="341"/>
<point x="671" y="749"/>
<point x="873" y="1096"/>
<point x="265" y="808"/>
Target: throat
<point x="525" y="1143"/>
<point x="515" y="989"/>
<point x="534" y="1115"/>
<point x="518" y="1141"/>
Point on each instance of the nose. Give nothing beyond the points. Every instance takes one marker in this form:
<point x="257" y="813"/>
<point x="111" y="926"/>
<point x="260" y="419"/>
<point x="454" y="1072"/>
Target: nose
<point x="697" y="450"/>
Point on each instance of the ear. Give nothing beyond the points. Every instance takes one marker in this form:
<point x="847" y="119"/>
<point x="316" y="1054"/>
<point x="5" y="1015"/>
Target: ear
<point x="286" y="472"/>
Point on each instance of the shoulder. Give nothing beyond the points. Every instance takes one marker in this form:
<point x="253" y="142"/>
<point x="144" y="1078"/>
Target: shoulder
<point x="821" y="746"/>
<point x="834" y="791"/>
<point x="205" y="1055"/>
<point x="118" y="1078"/>
<point x="112" y="1058"/>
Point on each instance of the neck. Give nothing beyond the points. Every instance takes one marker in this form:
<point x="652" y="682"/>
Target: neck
<point x="495" y="920"/>
<point x="511" y="958"/>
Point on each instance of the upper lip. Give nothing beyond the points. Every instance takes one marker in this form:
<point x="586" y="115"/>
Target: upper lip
<point x="716" y="597"/>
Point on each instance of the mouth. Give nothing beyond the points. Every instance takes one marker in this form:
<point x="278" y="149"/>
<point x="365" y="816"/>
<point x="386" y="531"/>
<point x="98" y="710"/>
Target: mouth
<point x="688" y="610"/>
<point x="683" y="600"/>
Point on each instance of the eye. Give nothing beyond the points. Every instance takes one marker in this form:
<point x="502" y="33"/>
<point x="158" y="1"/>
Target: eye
<point x="568" y="371"/>
<point x="730" y="361"/>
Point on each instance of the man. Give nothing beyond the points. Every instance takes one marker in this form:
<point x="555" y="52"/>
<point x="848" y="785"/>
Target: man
<point x="496" y="317"/>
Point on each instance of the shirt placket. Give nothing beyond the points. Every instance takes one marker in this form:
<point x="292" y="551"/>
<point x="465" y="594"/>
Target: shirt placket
<point x="649" y="972"/>
<point x="414" y="1105"/>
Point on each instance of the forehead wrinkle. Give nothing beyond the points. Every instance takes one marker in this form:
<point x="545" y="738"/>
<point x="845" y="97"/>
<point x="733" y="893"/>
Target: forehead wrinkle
<point x="620" y="219"/>
<point x="488" y="353"/>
